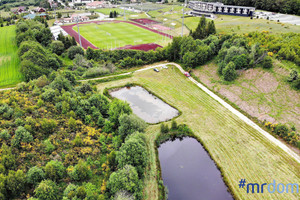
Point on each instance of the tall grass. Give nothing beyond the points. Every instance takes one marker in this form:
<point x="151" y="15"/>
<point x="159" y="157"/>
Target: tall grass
<point x="9" y="60"/>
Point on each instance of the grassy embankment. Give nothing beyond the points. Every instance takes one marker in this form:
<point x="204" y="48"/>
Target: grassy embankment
<point x="9" y="61"/>
<point x="238" y="149"/>
<point x="263" y="94"/>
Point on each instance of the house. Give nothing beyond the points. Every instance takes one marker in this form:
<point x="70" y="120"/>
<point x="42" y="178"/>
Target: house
<point x="73" y="18"/>
<point x="19" y="10"/>
<point x="39" y="10"/>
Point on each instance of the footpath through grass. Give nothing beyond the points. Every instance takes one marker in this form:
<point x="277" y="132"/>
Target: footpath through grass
<point x="239" y="150"/>
<point x="9" y="61"/>
<point x="113" y="35"/>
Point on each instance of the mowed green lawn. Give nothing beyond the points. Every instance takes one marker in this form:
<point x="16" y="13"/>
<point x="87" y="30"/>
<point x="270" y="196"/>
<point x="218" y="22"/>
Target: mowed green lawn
<point x="9" y="60"/>
<point x="114" y="35"/>
<point x="238" y="149"/>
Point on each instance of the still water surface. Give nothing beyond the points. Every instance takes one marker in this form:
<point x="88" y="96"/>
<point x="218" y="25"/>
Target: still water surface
<point x="145" y="105"/>
<point x="189" y="172"/>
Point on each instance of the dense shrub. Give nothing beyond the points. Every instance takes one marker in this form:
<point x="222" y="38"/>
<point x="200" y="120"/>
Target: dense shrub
<point x="47" y="190"/>
<point x="57" y="47"/>
<point x="35" y="175"/>
<point x="125" y="179"/>
<point x="81" y="172"/>
<point x="72" y="51"/>
<point x="15" y="182"/>
<point x="130" y="124"/>
<point x="229" y="72"/>
<point x="21" y="135"/>
<point x="55" y="170"/>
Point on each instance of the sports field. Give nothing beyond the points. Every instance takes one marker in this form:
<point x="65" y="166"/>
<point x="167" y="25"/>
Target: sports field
<point x="239" y="150"/>
<point x="9" y="60"/>
<point x="114" y="35"/>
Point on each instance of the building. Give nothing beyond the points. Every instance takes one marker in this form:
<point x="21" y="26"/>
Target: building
<point x="205" y="8"/>
<point x="19" y="10"/>
<point x="81" y="2"/>
<point x="32" y="16"/>
<point x="73" y="18"/>
<point x="39" y="10"/>
<point x="98" y="4"/>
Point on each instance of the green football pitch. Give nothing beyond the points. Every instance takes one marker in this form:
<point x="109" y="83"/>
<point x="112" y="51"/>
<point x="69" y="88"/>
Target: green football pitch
<point x="114" y="35"/>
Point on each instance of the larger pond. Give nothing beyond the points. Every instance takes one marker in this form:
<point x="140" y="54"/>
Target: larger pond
<point x="145" y="105"/>
<point x="189" y="173"/>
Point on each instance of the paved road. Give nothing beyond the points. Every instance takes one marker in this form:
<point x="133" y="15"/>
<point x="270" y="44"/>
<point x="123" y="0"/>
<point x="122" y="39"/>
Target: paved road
<point x="221" y="101"/>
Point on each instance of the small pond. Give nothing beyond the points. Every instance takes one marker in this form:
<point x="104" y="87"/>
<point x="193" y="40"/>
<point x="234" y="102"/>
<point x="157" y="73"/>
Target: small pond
<point x="189" y="173"/>
<point x="145" y="105"/>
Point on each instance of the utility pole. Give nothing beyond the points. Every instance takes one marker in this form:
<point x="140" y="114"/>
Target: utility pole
<point x="183" y="18"/>
<point x="77" y="18"/>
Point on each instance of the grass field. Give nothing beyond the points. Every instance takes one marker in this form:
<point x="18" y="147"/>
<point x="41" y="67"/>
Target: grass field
<point x="238" y="149"/>
<point x="106" y="11"/>
<point x="114" y="35"/>
<point x="236" y="24"/>
<point x="9" y="60"/>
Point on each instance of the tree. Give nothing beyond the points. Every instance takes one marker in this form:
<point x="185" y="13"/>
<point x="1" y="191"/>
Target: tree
<point x="70" y="191"/>
<point x="240" y="61"/>
<point x="47" y="190"/>
<point x="30" y="71"/>
<point x="8" y="159"/>
<point x="267" y="62"/>
<point x="133" y="152"/>
<point x="55" y="170"/>
<point x="73" y="50"/>
<point x="123" y="195"/>
<point x="200" y="32"/>
<point x="35" y="175"/>
<point x="174" y="125"/>
<point x="59" y="15"/>
<point x="57" y="47"/>
<point x="124" y="179"/>
<point x="130" y="124"/>
<point x="211" y="28"/>
<point x="81" y="172"/>
<point x="116" y="109"/>
<point x="15" y="182"/>
<point x="111" y="14"/>
<point x="229" y="72"/>
<point x="21" y="135"/>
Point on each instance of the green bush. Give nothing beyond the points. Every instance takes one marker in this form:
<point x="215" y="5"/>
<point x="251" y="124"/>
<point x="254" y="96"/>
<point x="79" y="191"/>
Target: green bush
<point x="48" y="95"/>
<point x="125" y="179"/>
<point x="81" y="172"/>
<point x="35" y="175"/>
<point x="47" y="190"/>
<point x="267" y="62"/>
<point x="133" y="152"/>
<point x="4" y="135"/>
<point x="229" y="72"/>
<point x="57" y="47"/>
<point x="73" y="50"/>
<point x="130" y="124"/>
<point x="15" y="182"/>
<point x="21" y="135"/>
<point x="48" y="146"/>
<point x="55" y="170"/>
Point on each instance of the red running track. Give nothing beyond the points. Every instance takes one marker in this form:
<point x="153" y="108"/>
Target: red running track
<point x="85" y="43"/>
<point x="145" y="21"/>
<point x="142" y="47"/>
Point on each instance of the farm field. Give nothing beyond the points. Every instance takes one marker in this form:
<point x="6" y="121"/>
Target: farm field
<point x="9" y="61"/>
<point x="264" y="94"/>
<point x="115" y="35"/>
<point x="228" y="139"/>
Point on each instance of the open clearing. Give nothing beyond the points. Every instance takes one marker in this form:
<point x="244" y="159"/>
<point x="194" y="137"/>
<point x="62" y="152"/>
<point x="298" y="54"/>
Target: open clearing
<point x="114" y="35"/>
<point x="237" y="148"/>
<point x="9" y="61"/>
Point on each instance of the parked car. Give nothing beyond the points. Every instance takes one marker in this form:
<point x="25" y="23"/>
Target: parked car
<point x="187" y="74"/>
<point x="165" y="67"/>
<point x="156" y="70"/>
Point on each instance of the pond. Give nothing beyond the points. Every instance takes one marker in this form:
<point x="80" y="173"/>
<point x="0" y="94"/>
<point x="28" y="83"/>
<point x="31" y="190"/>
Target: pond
<point x="145" y="105"/>
<point x="189" y="173"/>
